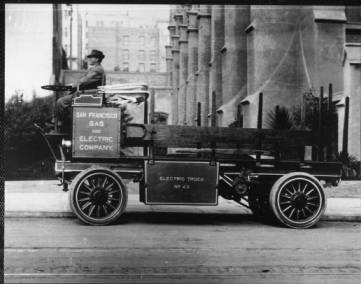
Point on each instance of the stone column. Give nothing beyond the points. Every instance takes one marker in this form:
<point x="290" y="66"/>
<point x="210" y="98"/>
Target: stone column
<point x="169" y="66"/>
<point x="172" y="12"/>
<point x="175" y="78"/>
<point x="192" y="67"/>
<point x="174" y="105"/>
<point x="280" y="56"/>
<point x="204" y="56"/>
<point x="215" y="72"/>
<point x="352" y="89"/>
<point x="183" y="74"/>
<point x="234" y="75"/>
<point x="185" y="10"/>
<point x="178" y="19"/>
<point x="169" y="63"/>
<point x="178" y="9"/>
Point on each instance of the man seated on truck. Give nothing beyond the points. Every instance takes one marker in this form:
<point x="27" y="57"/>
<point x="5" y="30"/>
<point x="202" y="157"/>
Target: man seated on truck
<point x="93" y="78"/>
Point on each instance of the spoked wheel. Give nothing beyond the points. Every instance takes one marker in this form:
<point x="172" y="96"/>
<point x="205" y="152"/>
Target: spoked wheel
<point x="297" y="200"/>
<point x="98" y="196"/>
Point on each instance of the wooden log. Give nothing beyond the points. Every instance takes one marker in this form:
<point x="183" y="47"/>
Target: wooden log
<point x="152" y="105"/>
<point x="199" y="114"/>
<point x="303" y="111"/>
<point x="277" y="145"/>
<point x="192" y="136"/>
<point x="345" y="126"/>
<point x="260" y="111"/>
<point x="214" y="110"/>
<point x="218" y="152"/>
<point x="330" y="125"/>
<point x="319" y="127"/>
<point x="146" y="111"/>
<point x="239" y="116"/>
<point x="329" y="105"/>
<point x="314" y="126"/>
<point x="259" y="124"/>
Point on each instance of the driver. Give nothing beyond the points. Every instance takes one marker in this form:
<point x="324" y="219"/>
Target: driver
<point x="93" y="78"/>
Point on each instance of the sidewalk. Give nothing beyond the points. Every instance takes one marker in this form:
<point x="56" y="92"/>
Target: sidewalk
<point x="46" y="199"/>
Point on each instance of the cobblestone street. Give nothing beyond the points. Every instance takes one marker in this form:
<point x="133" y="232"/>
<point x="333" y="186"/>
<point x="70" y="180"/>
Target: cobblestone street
<point x="182" y="248"/>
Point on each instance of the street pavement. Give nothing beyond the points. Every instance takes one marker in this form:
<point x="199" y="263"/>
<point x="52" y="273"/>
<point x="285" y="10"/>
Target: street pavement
<point x="178" y="244"/>
<point x="148" y="247"/>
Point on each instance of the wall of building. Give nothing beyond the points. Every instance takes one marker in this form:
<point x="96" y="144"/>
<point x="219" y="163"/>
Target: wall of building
<point x="281" y="51"/>
<point x="352" y="82"/>
<point x="87" y="27"/>
<point x="132" y="49"/>
<point x="234" y="51"/>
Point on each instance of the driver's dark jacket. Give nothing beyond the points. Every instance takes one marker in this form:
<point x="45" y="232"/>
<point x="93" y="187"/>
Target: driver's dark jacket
<point x="93" y="78"/>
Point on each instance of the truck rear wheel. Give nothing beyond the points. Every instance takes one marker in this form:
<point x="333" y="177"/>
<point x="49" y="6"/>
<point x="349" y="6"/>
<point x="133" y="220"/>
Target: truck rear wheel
<point x="297" y="200"/>
<point x="98" y="196"/>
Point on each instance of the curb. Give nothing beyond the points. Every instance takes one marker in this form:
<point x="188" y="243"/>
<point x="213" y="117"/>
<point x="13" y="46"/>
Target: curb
<point x="70" y="215"/>
<point x="43" y="214"/>
<point x="338" y="218"/>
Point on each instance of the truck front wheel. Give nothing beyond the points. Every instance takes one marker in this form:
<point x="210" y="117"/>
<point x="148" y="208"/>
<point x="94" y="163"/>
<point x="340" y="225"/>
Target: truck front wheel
<point x="98" y="196"/>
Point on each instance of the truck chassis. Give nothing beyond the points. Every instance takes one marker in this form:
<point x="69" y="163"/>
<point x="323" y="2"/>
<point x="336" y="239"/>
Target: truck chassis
<point x="183" y="165"/>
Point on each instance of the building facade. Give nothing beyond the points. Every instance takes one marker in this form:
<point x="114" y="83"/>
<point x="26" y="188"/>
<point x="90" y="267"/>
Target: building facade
<point x="281" y="51"/>
<point x="131" y="43"/>
<point x="126" y="48"/>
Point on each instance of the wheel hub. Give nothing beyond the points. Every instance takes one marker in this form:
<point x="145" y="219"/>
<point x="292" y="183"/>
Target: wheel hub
<point x="299" y="200"/>
<point x="99" y="196"/>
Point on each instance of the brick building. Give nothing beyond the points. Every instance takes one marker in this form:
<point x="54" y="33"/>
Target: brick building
<point x="235" y="52"/>
<point x="133" y="49"/>
<point x="131" y="41"/>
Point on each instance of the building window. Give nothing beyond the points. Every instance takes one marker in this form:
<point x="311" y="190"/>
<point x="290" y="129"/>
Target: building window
<point x="65" y="32"/>
<point x="153" y="67"/>
<point x="141" y="55"/>
<point x="125" y="66"/>
<point x="353" y="35"/>
<point x="99" y="23"/>
<point x="142" y="40"/>
<point x="125" y="54"/>
<point x="141" y="67"/>
<point x="152" y="55"/>
<point x="126" y="40"/>
<point x="353" y="14"/>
